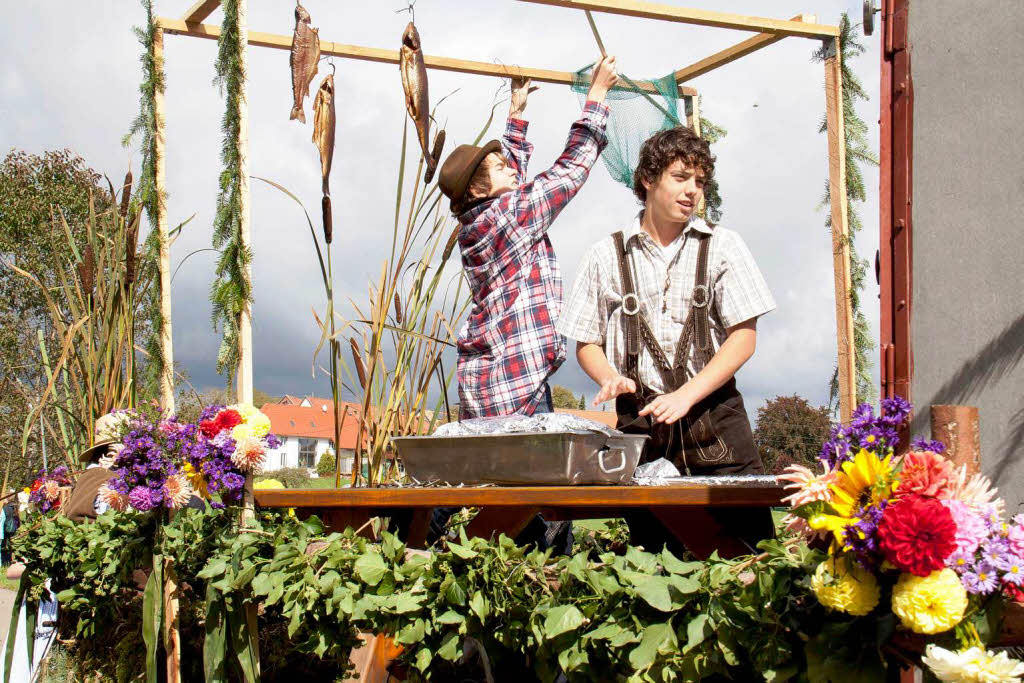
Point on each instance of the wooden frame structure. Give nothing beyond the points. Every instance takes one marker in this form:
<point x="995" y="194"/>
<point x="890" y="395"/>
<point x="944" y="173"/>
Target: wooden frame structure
<point x="768" y="32"/>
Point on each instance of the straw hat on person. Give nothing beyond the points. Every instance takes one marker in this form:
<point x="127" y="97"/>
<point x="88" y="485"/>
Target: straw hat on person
<point x="105" y="432"/>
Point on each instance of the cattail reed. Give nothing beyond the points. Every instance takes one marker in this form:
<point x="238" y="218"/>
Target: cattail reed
<point x="325" y="206"/>
<point x="357" y="358"/>
<point x="398" y="308"/>
<point x="452" y="241"/>
<point x="126" y="194"/>
<point x="435" y="153"/>
<point x="87" y="270"/>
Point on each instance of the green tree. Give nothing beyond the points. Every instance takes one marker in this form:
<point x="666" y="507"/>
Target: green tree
<point x="562" y="397"/>
<point x="583" y="402"/>
<point x="325" y="467"/>
<point x="33" y="191"/>
<point x="790" y="430"/>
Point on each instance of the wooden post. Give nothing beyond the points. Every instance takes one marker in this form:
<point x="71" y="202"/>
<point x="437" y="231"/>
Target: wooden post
<point x="959" y="429"/>
<point x="244" y="370"/>
<point x="840" y="229"/>
<point x="160" y="171"/>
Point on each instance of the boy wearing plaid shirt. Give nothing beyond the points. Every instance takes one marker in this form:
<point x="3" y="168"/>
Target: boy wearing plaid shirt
<point x="508" y="346"/>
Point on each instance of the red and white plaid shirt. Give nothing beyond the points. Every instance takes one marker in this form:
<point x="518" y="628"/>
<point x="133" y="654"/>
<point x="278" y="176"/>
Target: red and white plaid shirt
<point x="508" y="346"/>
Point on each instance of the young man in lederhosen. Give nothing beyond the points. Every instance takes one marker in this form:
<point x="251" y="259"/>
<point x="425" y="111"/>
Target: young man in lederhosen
<point x="664" y="314"/>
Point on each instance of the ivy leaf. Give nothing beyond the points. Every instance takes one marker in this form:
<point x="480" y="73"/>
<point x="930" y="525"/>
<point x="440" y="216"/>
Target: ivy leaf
<point x="462" y="551"/>
<point x="450" y="617"/>
<point x="370" y="568"/>
<point x="456" y="594"/>
<point x="450" y="649"/>
<point x="480" y="605"/>
<point x="562" y="619"/>
<point x="657" y="639"/>
<point x="696" y="631"/>
<point x="405" y="603"/>
<point x="423" y="658"/>
<point x="654" y="591"/>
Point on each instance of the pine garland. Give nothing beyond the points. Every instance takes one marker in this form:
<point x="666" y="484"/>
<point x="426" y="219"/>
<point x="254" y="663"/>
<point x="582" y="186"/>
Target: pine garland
<point x="231" y="290"/>
<point x="712" y="192"/>
<point x="858" y="151"/>
<point x="144" y="128"/>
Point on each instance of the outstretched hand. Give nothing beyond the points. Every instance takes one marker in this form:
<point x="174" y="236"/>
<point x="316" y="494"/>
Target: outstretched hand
<point x="521" y="89"/>
<point x="668" y="407"/>
<point x="613" y="387"/>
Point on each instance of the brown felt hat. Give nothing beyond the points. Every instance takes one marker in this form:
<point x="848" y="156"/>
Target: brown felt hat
<point x="458" y="170"/>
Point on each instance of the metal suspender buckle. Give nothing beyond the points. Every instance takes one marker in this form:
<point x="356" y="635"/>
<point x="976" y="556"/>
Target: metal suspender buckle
<point x="700" y="301"/>
<point x="630" y="304"/>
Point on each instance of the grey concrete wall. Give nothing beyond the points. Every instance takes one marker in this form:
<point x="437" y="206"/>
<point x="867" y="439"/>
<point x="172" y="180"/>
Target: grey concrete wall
<point x="967" y="61"/>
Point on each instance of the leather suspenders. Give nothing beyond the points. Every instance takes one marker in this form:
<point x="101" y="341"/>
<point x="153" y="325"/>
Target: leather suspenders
<point x="696" y="334"/>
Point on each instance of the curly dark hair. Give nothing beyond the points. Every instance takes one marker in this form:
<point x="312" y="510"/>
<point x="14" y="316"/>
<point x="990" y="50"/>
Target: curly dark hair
<point x="663" y="148"/>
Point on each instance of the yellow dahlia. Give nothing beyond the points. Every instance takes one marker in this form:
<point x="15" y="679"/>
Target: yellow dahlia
<point x="268" y="484"/>
<point x="246" y="410"/>
<point x="259" y="424"/>
<point x="242" y="432"/>
<point x="929" y="604"/>
<point x="845" y="586"/>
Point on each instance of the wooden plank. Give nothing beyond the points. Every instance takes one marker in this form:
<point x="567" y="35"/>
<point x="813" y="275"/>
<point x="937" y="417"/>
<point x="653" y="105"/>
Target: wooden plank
<point x="731" y="54"/>
<point x="160" y="183"/>
<point x="699" y="17"/>
<point x="840" y="233"/>
<point x="374" y="54"/>
<point x="521" y="496"/>
<point x="199" y="10"/>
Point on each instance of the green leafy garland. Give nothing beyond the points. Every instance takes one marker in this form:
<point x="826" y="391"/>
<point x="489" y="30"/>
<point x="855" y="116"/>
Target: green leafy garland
<point x="231" y="290"/>
<point x="858" y="151"/>
<point x="144" y="128"/>
<point x="712" y="192"/>
<point x="596" y="615"/>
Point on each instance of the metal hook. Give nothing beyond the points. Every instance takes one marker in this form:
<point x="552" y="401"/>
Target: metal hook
<point x="410" y="8"/>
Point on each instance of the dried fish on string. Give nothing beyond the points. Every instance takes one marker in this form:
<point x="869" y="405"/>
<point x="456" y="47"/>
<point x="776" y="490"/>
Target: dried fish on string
<point x="417" y="97"/>
<point x="303" y="59"/>
<point x="324" y="119"/>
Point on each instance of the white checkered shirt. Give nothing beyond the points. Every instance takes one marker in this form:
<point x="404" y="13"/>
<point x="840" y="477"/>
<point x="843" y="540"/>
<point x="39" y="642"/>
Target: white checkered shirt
<point x="593" y="312"/>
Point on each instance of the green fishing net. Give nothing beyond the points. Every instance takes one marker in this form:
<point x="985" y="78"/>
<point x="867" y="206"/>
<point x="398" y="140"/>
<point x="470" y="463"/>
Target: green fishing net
<point x="636" y="114"/>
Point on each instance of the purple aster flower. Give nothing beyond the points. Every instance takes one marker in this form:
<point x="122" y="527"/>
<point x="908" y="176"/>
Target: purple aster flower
<point x="927" y="445"/>
<point x="1014" y="571"/>
<point x="140" y="499"/>
<point x="996" y="553"/>
<point x="961" y="562"/>
<point x="861" y="537"/>
<point x="982" y="580"/>
<point x="273" y="441"/>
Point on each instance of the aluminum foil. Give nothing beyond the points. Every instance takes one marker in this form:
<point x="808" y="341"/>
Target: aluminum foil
<point x="654" y="473"/>
<point x="723" y="481"/>
<point x="520" y="424"/>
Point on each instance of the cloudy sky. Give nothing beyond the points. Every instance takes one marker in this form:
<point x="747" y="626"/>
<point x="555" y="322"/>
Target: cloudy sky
<point x="772" y="165"/>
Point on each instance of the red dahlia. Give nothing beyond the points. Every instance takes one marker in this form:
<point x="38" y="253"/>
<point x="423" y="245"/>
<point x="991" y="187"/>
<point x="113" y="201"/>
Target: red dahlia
<point x="209" y="428"/>
<point x="228" y="419"/>
<point x="917" y="534"/>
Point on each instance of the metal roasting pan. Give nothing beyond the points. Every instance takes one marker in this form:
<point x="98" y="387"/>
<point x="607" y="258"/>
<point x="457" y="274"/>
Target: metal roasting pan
<point x="566" y="458"/>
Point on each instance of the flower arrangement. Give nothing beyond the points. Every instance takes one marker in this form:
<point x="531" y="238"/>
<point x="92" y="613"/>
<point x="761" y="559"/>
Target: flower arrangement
<point x="233" y="441"/>
<point x="44" y="493"/>
<point x="162" y="463"/>
<point x="909" y="535"/>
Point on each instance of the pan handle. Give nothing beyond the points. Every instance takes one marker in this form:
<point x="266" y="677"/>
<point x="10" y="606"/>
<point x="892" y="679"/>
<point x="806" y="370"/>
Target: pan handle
<point x="622" y="462"/>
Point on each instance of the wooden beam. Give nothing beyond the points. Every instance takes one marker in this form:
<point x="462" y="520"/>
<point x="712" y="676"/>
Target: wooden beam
<point x="699" y="17"/>
<point x="374" y="54"/>
<point x="199" y="10"/>
<point x="523" y="496"/>
<point x="731" y="54"/>
<point x="840" y="232"/>
<point x="160" y="183"/>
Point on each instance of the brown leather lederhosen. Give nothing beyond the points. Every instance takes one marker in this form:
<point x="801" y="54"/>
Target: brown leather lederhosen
<point x="714" y="437"/>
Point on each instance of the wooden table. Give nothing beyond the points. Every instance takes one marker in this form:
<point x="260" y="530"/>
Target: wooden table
<point x="683" y="509"/>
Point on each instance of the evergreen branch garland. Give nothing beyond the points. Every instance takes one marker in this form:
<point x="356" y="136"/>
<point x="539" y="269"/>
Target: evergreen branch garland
<point x="712" y="192"/>
<point x="147" y="196"/>
<point x="857" y="152"/>
<point x="231" y="290"/>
